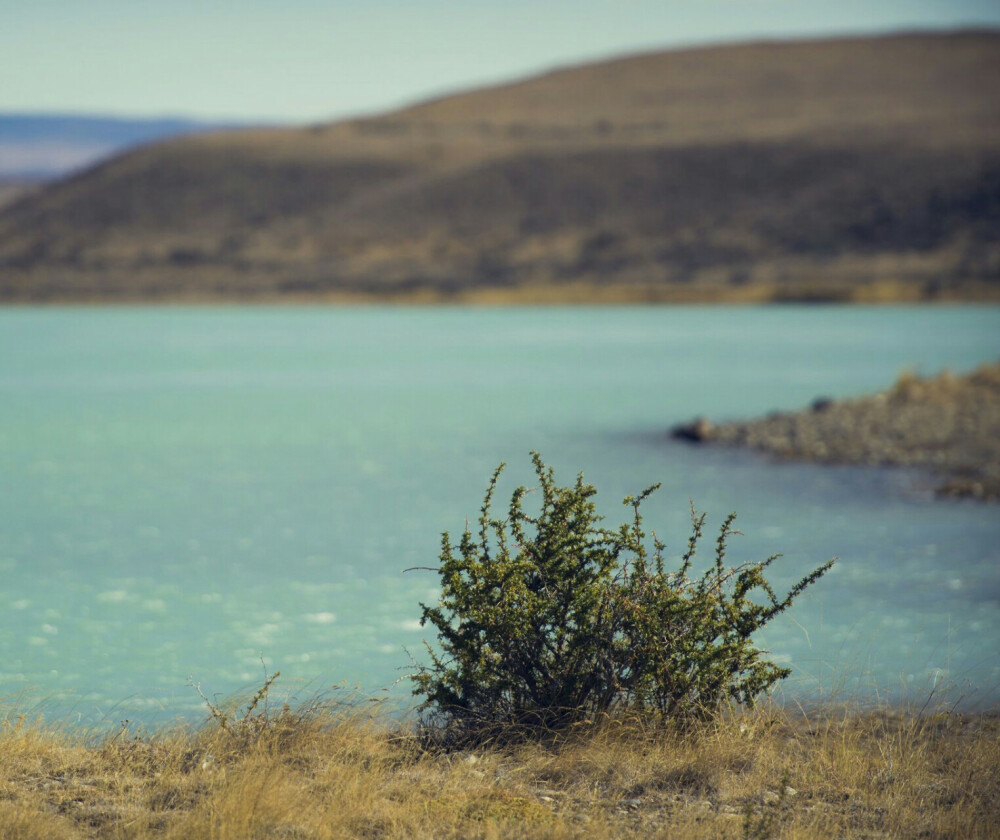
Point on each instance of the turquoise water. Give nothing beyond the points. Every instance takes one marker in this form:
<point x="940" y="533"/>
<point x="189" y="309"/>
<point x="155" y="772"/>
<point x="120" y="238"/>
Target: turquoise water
<point x="184" y="491"/>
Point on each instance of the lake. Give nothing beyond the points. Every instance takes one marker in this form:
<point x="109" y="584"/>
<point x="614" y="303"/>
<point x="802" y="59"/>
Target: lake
<point x="187" y="491"/>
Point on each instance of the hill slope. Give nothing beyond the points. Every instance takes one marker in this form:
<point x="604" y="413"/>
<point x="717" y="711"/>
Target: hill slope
<point x="843" y="169"/>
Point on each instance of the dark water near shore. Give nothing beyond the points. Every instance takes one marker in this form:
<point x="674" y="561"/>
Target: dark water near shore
<point x="183" y="491"/>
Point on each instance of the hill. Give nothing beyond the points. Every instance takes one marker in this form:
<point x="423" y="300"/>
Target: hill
<point x="849" y="169"/>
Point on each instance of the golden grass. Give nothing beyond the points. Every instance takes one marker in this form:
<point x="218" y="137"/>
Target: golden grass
<point x="341" y="774"/>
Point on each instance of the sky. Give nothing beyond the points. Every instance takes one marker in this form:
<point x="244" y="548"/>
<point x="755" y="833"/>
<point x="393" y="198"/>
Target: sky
<point x="314" y="60"/>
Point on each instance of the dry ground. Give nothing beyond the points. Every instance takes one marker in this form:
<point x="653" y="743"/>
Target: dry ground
<point x="345" y="774"/>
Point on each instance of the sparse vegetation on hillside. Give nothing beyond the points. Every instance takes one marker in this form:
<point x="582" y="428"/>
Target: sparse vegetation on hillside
<point x="853" y="169"/>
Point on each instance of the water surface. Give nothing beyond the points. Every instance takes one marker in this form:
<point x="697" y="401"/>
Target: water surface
<point x="186" y="490"/>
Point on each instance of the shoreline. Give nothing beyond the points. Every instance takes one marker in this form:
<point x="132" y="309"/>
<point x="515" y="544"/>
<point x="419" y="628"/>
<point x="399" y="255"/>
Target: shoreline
<point x="946" y="425"/>
<point x="562" y="294"/>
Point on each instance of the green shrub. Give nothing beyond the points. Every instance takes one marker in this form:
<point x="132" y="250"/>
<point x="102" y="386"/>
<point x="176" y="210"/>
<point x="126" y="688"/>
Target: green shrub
<point x="545" y="621"/>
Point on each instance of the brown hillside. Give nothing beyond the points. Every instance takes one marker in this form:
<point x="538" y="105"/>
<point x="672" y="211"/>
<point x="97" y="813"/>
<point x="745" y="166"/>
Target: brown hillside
<point x="881" y="87"/>
<point x="843" y="169"/>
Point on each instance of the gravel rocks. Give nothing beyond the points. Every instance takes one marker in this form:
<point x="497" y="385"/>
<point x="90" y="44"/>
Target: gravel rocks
<point x="947" y="424"/>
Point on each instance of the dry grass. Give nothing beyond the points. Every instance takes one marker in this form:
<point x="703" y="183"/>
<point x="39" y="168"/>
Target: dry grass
<point x="344" y="774"/>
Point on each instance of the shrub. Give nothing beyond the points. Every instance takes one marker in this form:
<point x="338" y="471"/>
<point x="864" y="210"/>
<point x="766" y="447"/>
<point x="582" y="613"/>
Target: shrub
<point x="545" y="621"/>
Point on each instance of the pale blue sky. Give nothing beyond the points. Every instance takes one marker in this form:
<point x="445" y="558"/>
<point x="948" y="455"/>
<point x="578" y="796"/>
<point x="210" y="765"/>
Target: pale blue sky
<point x="311" y="60"/>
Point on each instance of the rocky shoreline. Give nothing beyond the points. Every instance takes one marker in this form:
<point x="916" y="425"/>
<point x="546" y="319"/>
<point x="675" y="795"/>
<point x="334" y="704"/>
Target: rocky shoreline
<point x="947" y="424"/>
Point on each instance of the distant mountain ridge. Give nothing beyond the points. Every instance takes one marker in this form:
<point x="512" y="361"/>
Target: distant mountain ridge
<point x="845" y="169"/>
<point x="47" y="145"/>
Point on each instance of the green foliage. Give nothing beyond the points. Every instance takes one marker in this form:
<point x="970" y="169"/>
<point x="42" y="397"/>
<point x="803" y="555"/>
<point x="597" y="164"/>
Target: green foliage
<point x="547" y="620"/>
